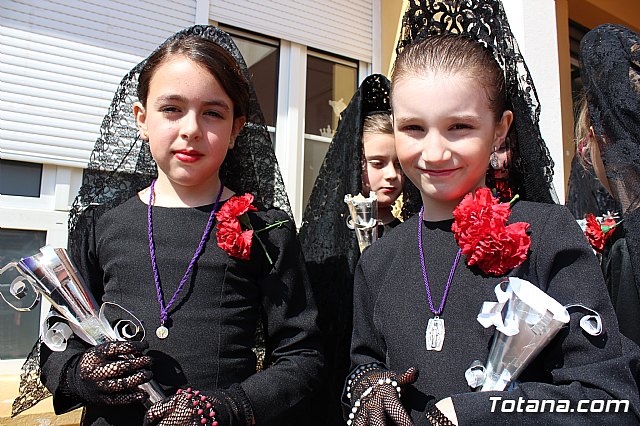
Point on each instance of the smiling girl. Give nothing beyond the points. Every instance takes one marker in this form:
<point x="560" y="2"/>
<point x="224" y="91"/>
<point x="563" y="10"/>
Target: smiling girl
<point x="417" y="292"/>
<point x="143" y="235"/>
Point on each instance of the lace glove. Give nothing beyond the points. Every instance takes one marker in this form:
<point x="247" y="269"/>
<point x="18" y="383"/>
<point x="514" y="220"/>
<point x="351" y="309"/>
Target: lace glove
<point x="109" y="374"/>
<point x="374" y="395"/>
<point x="435" y="417"/>
<point x="230" y="407"/>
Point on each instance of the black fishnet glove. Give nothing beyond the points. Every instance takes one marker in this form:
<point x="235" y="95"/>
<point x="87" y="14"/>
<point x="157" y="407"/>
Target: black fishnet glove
<point x="230" y="407"/>
<point x="109" y="374"/>
<point x="375" y="398"/>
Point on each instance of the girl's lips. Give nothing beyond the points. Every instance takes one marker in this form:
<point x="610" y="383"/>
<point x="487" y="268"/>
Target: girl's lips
<point x="439" y="173"/>
<point x="388" y="190"/>
<point x="187" y="156"/>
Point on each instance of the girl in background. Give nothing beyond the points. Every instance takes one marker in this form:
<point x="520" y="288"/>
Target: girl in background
<point x="610" y="70"/>
<point x="361" y="158"/>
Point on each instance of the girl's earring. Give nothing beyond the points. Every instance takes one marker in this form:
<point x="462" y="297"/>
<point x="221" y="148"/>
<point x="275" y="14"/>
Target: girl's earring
<point x="495" y="163"/>
<point x="145" y="134"/>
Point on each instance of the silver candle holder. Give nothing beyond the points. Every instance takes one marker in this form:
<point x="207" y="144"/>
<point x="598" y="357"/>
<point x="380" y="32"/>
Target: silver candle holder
<point x="51" y="274"/>
<point x="363" y="218"/>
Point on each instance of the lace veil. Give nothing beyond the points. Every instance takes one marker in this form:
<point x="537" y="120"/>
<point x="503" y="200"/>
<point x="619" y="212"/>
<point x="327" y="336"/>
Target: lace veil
<point x="531" y="167"/>
<point x="121" y="165"/>
<point x="610" y="69"/>
<point x="324" y="234"/>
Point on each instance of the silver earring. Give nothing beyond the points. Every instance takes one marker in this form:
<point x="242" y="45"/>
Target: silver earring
<point x="494" y="162"/>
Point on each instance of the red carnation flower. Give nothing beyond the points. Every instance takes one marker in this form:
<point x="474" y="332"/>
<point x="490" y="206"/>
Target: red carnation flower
<point x="482" y="234"/>
<point x="597" y="233"/>
<point x="233" y="240"/>
<point x="235" y="207"/>
<point x="234" y="230"/>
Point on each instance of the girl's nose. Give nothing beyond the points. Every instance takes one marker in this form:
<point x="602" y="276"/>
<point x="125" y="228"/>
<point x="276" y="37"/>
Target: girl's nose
<point x="190" y="127"/>
<point x="434" y="148"/>
<point x="390" y="172"/>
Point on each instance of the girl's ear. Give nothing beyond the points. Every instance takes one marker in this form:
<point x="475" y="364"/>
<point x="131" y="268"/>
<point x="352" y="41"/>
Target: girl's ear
<point x="502" y="129"/>
<point x="238" y="124"/>
<point x="141" y="119"/>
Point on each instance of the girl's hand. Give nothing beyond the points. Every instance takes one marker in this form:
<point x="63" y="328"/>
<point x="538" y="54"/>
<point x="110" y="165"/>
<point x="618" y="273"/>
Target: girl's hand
<point x="376" y="398"/>
<point x="104" y="376"/>
<point x="191" y="408"/>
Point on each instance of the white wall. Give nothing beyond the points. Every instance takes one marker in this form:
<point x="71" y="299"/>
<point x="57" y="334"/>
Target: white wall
<point x="534" y="25"/>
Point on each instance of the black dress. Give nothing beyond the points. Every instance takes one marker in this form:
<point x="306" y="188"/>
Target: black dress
<point x="617" y="267"/>
<point x="212" y="325"/>
<point x="391" y="313"/>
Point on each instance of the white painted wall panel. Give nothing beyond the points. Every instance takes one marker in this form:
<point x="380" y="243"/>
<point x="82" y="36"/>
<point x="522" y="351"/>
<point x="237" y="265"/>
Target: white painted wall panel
<point x="60" y="63"/>
<point x="341" y="27"/>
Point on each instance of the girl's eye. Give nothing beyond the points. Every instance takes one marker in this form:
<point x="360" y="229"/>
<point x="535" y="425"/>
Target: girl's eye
<point x="460" y="126"/>
<point x="376" y="164"/>
<point x="411" y="128"/>
<point x="214" y="114"/>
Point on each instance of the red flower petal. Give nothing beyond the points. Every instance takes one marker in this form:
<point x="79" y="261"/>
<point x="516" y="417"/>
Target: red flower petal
<point x="230" y="235"/>
<point x="479" y="227"/>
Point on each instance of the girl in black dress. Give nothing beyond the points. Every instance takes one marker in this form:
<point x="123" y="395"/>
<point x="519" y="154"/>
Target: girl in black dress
<point x="417" y="292"/>
<point x="610" y="69"/>
<point x="165" y="226"/>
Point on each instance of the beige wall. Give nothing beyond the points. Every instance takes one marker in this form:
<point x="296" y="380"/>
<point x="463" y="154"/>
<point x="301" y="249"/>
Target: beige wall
<point x="391" y="12"/>
<point x="592" y="13"/>
<point x="589" y="13"/>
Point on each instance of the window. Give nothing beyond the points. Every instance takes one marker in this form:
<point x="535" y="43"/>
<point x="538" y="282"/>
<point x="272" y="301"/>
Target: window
<point x="331" y="82"/>
<point x="19" y="330"/>
<point x="576" y="32"/>
<point x="19" y="178"/>
<point x="261" y="55"/>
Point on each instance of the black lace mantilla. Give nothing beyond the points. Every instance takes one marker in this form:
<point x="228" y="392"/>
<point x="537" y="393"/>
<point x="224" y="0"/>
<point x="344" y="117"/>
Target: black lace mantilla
<point x="531" y="167"/>
<point x="610" y="56"/>
<point x="31" y="390"/>
<point x="121" y="164"/>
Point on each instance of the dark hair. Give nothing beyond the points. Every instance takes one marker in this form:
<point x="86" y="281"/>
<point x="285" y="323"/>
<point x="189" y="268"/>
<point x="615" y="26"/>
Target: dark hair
<point x="379" y="123"/>
<point x="454" y="54"/>
<point x="208" y="54"/>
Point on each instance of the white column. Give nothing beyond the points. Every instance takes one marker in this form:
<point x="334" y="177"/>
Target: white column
<point x="376" y="33"/>
<point x="290" y="121"/>
<point x="202" y="12"/>
<point x="62" y="190"/>
<point x="534" y="25"/>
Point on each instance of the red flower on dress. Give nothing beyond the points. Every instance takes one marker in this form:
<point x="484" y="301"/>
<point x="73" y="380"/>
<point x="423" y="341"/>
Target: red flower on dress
<point x="598" y="232"/>
<point x="484" y="237"/>
<point x="233" y="240"/>
<point x="234" y="230"/>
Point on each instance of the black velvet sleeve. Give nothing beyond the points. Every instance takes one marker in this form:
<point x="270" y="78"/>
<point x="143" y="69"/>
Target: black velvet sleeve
<point x="293" y="341"/>
<point x="54" y="364"/>
<point x="617" y="267"/>
<point x="580" y="366"/>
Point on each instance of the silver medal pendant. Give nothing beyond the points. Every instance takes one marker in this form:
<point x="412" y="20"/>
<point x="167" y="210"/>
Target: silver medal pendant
<point x="162" y="332"/>
<point x="435" y="334"/>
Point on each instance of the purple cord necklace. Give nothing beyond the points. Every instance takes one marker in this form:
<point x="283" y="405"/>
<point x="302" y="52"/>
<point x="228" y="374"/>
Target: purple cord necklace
<point x="162" y="332"/>
<point x="434" y="335"/>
